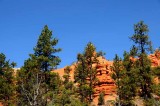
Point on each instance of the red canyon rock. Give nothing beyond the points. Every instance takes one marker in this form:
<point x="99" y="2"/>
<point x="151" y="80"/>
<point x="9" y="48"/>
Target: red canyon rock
<point x="106" y="83"/>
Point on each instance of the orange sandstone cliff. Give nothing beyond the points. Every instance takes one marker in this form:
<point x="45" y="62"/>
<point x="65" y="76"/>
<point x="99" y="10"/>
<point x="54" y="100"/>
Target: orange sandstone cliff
<point x="106" y="83"/>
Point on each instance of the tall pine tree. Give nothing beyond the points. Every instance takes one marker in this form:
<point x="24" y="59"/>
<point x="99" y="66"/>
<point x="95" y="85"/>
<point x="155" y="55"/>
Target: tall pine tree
<point x="35" y="74"/>
<point x="85" y="73"/>
<point x="116" y="75"/>
<point x="124" y="74"/>
<point x="143" y="64"/>
<point x="45" y="50"/>
<point x="127" y="82"/>
<point x="80" y="76"/>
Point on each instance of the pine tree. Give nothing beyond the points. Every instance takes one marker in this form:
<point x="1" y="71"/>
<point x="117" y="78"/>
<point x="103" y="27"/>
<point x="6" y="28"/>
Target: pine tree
<point x="85" y="73"/>
<point x="91" y="58"/>
<point x="13" y="64"/>
<point x="156" y="73"/>
<point x="66" y="75"/>
<point x="68" y="84"/>
<point x="143" y="65"/>
<point x="30" y="84"/>
<point x="125" y="78"/>
<point x="128" y="86"/>
<point x="101" y="99"/>
<point x="56" y="90"/>
<point x="45" y="50"/>
<point x="35" y="76"/>
<point x="7" y="82"/>
<point x="141" y="38"/>
<point x="116" y="75"/>
<point x="66" y="91"/>
<point x="80" y="76"/>
<point x="66" y="95"/>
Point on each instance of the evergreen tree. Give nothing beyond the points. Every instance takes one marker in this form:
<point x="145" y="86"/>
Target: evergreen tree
<point x="66" y="75"/>
<point x="141" y="38"/>
<point x="67" y="90"/>
<point x="66" y="95"/>
<point x="80" y="76"/>
<point x="101" y="99"/>
<point x="85" y="73"/>
<point x="143" y="45"/>
<point x="156" y="85"/>
<point x="35" y="76"/>
<point x="128" y="86"/>
<point x="156" y="73"/>
<point x="91" y="58"/>
<point x="30" y="84"/>
<point x="56" y="87"/>
<point x="125" y="78"/>
<point x="116" y="75"/>
<point x="13" y="64"/>
<point x="45" y="50"/>
<point x="7" y="82"/>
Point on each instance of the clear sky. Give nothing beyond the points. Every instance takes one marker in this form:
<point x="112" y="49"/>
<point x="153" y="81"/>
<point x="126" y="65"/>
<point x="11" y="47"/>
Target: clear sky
<point x="106" y="23"/>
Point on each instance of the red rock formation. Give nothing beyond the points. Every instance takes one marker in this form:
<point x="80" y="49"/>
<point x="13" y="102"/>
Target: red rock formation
<point x="106" y="83"/>
<point x="155" y="58"/>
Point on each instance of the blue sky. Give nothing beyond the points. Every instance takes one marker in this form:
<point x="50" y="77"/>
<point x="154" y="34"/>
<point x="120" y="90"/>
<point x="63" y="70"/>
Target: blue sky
<point x="106" y="23"/>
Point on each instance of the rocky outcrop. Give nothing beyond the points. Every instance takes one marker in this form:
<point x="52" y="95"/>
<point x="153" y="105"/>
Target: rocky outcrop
<point x="155" y="58"/>
<point x="106" y="84"/>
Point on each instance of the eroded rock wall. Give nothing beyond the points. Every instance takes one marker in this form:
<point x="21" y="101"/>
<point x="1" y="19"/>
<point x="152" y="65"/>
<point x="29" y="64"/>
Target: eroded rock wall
<point x="106" y="83"/>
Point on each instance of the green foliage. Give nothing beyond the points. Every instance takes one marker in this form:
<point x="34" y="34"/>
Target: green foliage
<point x="85" y="74"/>
<point x="156" y="86"/>
<point x="71" y="100"/>
<point x="30" y="85"/>
<point x="143" y="65"/>
<point x="13" y="64"/>
<point x="141" y="38"/>
<point x="45" y="50"/>
<point x="7" y="85"/>
<point x="117" y="67"/>
<point x="116" y="75"/>
<point x="65" y="95"/>
<point x="127" y="82"/>
<point x="101" y="100"/>
<point x="76" y="102"/>
<point x="156" y="71"/>
<point x="151" y="102"/>
<point x="55" y="81"/>
<point x="35" y="80"/>
<point x="66" y="75"/>
<point x="110" y="103"/>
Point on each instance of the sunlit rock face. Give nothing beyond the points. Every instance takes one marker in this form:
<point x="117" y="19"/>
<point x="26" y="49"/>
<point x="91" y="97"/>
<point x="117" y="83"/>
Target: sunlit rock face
<point x="106" y="84"/>
<point x="155" y="58"/>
